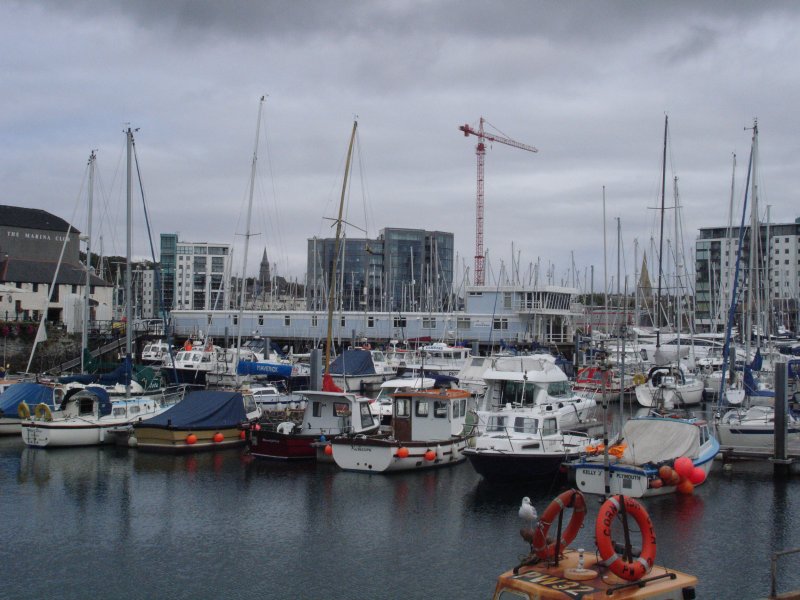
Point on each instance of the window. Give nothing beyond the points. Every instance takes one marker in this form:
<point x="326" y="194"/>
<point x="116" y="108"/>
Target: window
<point x="316" y="409"/>
<point x="496" y="424"/>
<point x="524" y="425"/>
<point x="507" y="298"/>
<point x="341" y="409"/>
<point x="440" y="409"/>
<point x="549" y="427"/>
<point x="235" y="319"/>
<point x="74" y="289"/>
<point x="35" y="287"/>
<point x="366" y="415"/>
<point x="342" y="321"/>
<point x="370" y="322"/>
<point x="463" y="323"/>
<point x="401" y="407"/>
<point x="399" y="322"/>
<point x="429" y="322"/>
<point x="500" y="323"/>
<point x="313" y="320"/>
<point x="260" y="319"/>
<point x="287" y="321"/>
<point x="421" y="408"/>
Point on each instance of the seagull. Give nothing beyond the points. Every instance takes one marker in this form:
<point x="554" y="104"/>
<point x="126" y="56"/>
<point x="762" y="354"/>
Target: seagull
<point x="527" y="511"/>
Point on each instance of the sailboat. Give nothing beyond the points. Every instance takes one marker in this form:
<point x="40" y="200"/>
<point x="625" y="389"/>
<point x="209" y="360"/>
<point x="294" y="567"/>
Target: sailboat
<point x="88" y="416"/>
<point x="751" y="421"/>
<point x="667" y="386"/>
<point x="329" y="412"/>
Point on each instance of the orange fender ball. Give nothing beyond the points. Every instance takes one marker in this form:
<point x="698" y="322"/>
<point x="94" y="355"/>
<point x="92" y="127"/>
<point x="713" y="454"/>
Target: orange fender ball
<point x="218" y="437"/>
<point x="697" y="476"/>
<point x="242" y="434"/>
<point x="665" y="472"/>
<point x="686" y="487"/>
<point x="430" y="455"/>
<point x="191" y="439"/>
<point x="328" y="450"/>
<point x="683" y="466"/>
<point x="674" y="479"/>
<point x="656" y="483"/>
<point x="402" y="452"/>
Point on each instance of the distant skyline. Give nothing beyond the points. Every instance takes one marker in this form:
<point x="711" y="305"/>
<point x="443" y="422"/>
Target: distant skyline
<point x="587" y="82"/>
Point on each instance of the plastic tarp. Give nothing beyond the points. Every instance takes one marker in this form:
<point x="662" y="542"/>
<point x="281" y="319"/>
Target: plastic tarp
<point x="85" y="379"/>
<point x="28" y="392"/>
<point x="656" y="440"/>
<point x="104" y="403"/>
<point x="353" y="362"/>
<point x="201" y="410"/>
<point x="264" y="368"/>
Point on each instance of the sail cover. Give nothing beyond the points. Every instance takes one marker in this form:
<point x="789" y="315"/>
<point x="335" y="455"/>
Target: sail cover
<point x="657" y="440"/>
<point x="201" y="410"/>
<point x="353" y="362"/>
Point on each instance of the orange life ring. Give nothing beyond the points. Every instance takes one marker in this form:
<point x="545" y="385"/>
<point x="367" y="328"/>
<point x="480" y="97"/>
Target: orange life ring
<point x="639" y="566"/>
<point x="569" y="499"/>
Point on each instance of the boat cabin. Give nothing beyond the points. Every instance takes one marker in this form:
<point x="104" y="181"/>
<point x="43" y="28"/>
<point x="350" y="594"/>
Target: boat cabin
<point x="432" y="415"/>
<point x="329" y="413"/>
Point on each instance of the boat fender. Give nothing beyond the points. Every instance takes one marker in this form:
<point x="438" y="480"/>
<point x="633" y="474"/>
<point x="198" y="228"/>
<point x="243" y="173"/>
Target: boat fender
<point x="569" y="499"/>
<point x="42" y="412"/>
<point x="23" y="410"/>
<point x="640" y="565"/>
<point x="639" y="379"/>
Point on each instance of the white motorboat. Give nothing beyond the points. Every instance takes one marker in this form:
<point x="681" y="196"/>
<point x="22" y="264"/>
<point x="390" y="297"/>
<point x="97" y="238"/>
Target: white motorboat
<point x="429" y="429"/>
<point x="633" y="464"/>
<point x="269" y="398"/>
<point x="89" y="417"/>
<point x="669" y="386"/>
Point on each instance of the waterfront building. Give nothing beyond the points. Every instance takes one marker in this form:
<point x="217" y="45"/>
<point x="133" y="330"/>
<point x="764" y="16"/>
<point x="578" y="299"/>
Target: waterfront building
<point x="407" y="270"/>
<point x="194" y="274"/>
<point x="31" y="242"/>
<point x="778" y="272"/>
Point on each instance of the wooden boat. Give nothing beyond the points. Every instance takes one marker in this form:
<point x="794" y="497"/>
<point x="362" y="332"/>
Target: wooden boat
<point x="203" y="420"/>
<point x="303" y="434"/>
<point x="554" y="571"/>
<point x="429" y="429"/>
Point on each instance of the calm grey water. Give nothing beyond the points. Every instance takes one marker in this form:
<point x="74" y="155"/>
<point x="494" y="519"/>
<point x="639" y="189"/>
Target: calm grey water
<point x="117" y="523"/>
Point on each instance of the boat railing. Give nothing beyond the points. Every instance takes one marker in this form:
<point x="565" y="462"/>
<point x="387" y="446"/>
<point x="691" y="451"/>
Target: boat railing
<point x="773" y="593"/>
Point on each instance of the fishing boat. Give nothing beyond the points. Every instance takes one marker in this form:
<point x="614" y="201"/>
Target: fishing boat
<point x="383" y="401"/>
<point x="16" y="402"/>
<point x="203" y="420"/>
<point x="154" y="352"/>
<point x="429" y="429"/>
<point x="553" y="570"/>
<point x="649" y="458"/>
<point x="289" y="435"/>
<point x="533" y="441"/>
<point x="89" y="417"/>
<point x="361" y="369"/>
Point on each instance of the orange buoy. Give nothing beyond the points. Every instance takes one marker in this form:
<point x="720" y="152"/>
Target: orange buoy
<point x="665" y="473"/>
<point x="697" y="476"/>
<point x="656" y="483"/>
<point x="683" y="466"/>
<point x="686" y="487"/>
<point x="328" y="449"/>
<point x="430" y="455"/>
<point x="675" y="479"/>
<point x="191" y="439"/>
<point x="402" y="452"/>
<point x="242" y="434"/>
<point x="218" y="437"/>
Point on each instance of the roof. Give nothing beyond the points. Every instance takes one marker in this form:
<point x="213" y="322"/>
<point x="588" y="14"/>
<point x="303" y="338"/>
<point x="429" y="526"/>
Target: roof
<point x="32" y="218"/>
<point x="41" y="271"/>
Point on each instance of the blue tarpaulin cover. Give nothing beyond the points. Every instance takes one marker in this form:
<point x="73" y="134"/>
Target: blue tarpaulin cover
<point x="31" y="393"/>
<point x="104" y="403"/>
<point x="201" y="410"/>
<point x="353" y="362"/>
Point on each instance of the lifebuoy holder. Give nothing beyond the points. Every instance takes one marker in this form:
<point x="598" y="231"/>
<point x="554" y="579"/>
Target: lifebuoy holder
<point x="570" y="499"/>
<point x="638" y="566"/>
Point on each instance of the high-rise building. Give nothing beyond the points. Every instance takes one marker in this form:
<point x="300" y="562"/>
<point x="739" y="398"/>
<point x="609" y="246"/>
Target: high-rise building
<point x="776" y="277"/>
<point x="194" y="274"/>
<point x="401" y="270"/>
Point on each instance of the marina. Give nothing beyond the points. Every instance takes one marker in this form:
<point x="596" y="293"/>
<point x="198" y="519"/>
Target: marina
<point x="299" y="530"/>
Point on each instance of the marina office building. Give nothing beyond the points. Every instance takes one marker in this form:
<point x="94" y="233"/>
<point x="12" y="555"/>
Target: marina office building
<point x="778" y="272"/>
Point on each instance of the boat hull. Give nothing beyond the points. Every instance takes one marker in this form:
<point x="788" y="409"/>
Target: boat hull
<point x="380" y="455"/>
<point x="275" y="445"/>
<point x="497" y="466"/>
<point x="755" y="436"/>
<point x="154" y="439"/>
<point x="10" y="426"/>
<point x="43" y="434"/>
<point x="689" y="394"/>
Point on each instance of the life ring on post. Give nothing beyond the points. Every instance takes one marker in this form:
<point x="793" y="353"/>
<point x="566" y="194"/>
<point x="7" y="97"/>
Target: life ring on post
<point x="42" y="412"/>
<point x="639" y="379"/>
<point x="640" y="565"/>
<point x="23" y="410"/>
<point x="569" y="499"/>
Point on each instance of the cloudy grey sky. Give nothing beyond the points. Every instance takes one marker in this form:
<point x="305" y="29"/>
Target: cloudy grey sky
<point x="587" y="83"/>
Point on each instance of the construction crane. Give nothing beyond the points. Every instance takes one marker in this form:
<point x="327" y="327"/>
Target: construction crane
<point x="480" y="152"/>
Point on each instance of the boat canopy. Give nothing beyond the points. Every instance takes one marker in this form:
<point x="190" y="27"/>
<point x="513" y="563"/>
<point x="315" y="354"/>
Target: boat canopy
<point x="31" y="393"/>
<point x="353" y="362"/>
<point x="657" y="440"/>
<point x="201" y="410"/>
<point x="103" y="401"/>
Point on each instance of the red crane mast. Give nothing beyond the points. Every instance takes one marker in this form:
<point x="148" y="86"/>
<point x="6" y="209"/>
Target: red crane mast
<point x="480" y="152"/>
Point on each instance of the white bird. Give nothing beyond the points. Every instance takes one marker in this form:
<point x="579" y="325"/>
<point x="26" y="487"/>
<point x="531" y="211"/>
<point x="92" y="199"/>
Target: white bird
<point x="527" y="511"/>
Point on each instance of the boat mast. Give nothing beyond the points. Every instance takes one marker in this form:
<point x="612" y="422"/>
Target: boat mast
<point x="86" y="294"/>
<point x="332" y="286"/>
<point x="247" y="234"/>
<point x="661" y="236"/>
<point x="128" y="270"/>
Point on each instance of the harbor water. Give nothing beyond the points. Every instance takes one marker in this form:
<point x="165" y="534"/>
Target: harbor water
<point x="119" y="523"/>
